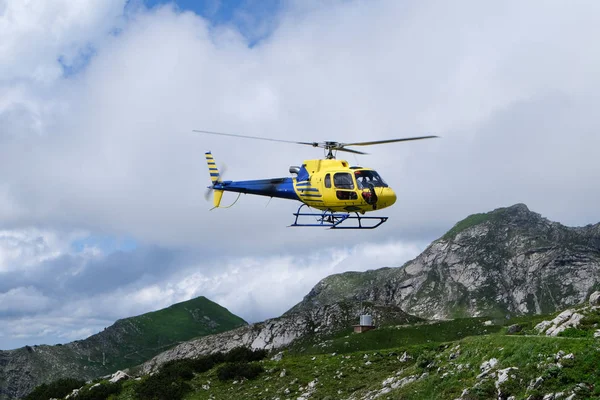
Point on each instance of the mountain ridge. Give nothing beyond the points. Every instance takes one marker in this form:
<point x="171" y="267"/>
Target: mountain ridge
<point x="495" y="252"/>
<point x="128" y="342"/>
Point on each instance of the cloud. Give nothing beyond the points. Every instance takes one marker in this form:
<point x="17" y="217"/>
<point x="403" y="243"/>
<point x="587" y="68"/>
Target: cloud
<point x="81" y="294"/>
<point x="98" y="101"/>
<point x="22" y="300"/>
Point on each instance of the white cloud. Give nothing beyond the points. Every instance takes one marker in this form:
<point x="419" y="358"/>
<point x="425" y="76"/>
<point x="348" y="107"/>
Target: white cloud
<point x="511" y="88"/>
<point x="24" y="248"/>
<point x="23" y="300"/>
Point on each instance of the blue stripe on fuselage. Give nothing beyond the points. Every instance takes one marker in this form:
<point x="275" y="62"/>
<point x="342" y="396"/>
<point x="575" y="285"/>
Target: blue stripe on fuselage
<point x="277" y="187"/>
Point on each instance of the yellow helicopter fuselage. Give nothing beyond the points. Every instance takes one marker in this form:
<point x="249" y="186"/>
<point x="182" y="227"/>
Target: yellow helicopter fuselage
<point x="334" y="185"/>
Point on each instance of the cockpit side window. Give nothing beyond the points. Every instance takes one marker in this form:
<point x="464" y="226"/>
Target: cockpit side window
<point x="328" y="181"/>
<point x="366" y="179"/>
<point x="343" y="180"/>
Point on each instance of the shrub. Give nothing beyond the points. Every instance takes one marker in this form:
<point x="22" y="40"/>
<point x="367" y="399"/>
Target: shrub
<point x="425" y="359"/>
<point x="244" y="354"/>
<point x="239" y="370"/>
<point x="158" y="387"/>
<point x="57" y="389"/>
<point x="169" y="383"/>
<point x="101" y="392"/>
<point x="483" y="391"/>
<point x="575" y="333"/>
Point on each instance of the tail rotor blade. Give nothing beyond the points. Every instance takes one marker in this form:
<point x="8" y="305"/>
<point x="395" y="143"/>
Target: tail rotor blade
<point x="209" y="190"/>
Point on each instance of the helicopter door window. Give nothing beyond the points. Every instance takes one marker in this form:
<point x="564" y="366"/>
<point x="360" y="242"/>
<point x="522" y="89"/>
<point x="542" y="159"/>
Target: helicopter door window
<point x="343" y="180"/>
<point x="328" y="181"/>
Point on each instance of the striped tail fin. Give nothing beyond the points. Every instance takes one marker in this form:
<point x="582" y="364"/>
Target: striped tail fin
<point x="212" y="168"/>
<point x="214" y="178"/>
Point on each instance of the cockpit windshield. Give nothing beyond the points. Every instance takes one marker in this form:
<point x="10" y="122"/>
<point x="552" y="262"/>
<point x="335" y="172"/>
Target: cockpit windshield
<point x="366" y="178"/>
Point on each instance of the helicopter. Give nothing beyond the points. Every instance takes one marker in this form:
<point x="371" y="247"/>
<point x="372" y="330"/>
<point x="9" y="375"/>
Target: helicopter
<point x="343" y="193"/>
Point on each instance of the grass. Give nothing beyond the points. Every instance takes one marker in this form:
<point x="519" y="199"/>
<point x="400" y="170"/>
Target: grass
<point x="438" y="360"/>
<point x="137" y="339"/>
<point x="395" y="336"/>
<point x="471" y="220"/>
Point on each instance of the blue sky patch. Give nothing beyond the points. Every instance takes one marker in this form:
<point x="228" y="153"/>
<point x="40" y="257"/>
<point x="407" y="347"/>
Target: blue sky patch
<point x="255" y="19"/>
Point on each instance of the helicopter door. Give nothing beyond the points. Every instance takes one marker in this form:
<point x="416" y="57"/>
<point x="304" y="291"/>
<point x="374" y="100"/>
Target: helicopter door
<point x="344" y="186"/>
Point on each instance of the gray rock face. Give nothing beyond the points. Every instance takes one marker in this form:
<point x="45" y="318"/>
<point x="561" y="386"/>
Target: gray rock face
<point x="279" y="332"/>
<point x="595" y="299"/>
<point x="510" y="261"/>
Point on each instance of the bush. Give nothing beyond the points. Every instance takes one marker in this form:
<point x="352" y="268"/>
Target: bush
<point x="57" y="389"/>
<point x="244" y="354"/>
<point x="575" y="333"/>
<point x="239" y="370"/>
<point x="483" y="391"/>
<point x="158" y="387"/>
<point x="425" y="359"/>
<point x="101" y="392"/>
<point x="171" y="380"/>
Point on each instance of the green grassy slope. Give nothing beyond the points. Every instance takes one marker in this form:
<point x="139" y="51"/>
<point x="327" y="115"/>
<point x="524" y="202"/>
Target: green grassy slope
<point x="134" y="340"/>
<point x="428" y="361"/>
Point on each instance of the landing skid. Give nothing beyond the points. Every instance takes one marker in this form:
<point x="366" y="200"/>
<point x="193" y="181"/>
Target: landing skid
<point x="334" y="220"/>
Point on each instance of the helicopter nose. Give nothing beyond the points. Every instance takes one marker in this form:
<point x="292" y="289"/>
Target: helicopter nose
<point x="386" y="198"/>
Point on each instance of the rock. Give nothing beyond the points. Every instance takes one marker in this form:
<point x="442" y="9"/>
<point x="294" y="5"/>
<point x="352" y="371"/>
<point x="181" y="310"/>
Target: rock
<point x="503" y="375"/>
<point x="510" y="255"/>
<point x="277" y="357"/>
<point x="488" y="365"/>
<point x="534" y="384"/>
<point x="542" y="326"/>
<point x="282" y="373"/>
<point x="597" y="333"/>
<point x="405" y="357"/>
<point x="595" y="299"/>
<point x="388" y="381"/>
<point x="562" y="317"/>
<point x="514" y="329"/>
<point x="488" y="323"/>
<point x="118" y="376"/>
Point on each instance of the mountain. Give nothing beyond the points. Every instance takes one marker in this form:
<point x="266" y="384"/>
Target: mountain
<point x="531" y="357"/>
<point x="305" y="325"/>
<point x="509" y="261"/>
<point x="126" y="343"/>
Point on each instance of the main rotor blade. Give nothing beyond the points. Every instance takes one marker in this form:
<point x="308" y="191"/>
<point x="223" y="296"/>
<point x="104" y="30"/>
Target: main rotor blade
<point x="314" y="144"/>
<point x="387" y="141"/>
<point x="349" y="150"/>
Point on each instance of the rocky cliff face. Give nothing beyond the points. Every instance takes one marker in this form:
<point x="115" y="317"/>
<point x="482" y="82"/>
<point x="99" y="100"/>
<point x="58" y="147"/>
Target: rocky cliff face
<point x="510" y="261"/>
<point x="126" y="343"/>
<point x="279" y="332"/>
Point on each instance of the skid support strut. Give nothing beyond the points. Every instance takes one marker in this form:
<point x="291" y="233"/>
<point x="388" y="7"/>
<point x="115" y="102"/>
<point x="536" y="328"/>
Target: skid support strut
<point x="334" y="220"/>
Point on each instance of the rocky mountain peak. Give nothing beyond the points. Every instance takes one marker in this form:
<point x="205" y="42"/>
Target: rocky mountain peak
<point x="508" y="261"/>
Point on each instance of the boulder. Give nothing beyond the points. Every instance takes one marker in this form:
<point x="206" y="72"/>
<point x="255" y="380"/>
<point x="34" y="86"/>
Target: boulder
<point x="595" y="299"/>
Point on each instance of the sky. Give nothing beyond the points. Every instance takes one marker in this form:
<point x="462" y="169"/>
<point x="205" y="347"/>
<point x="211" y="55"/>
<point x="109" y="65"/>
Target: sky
<point x="102" y="181"/>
